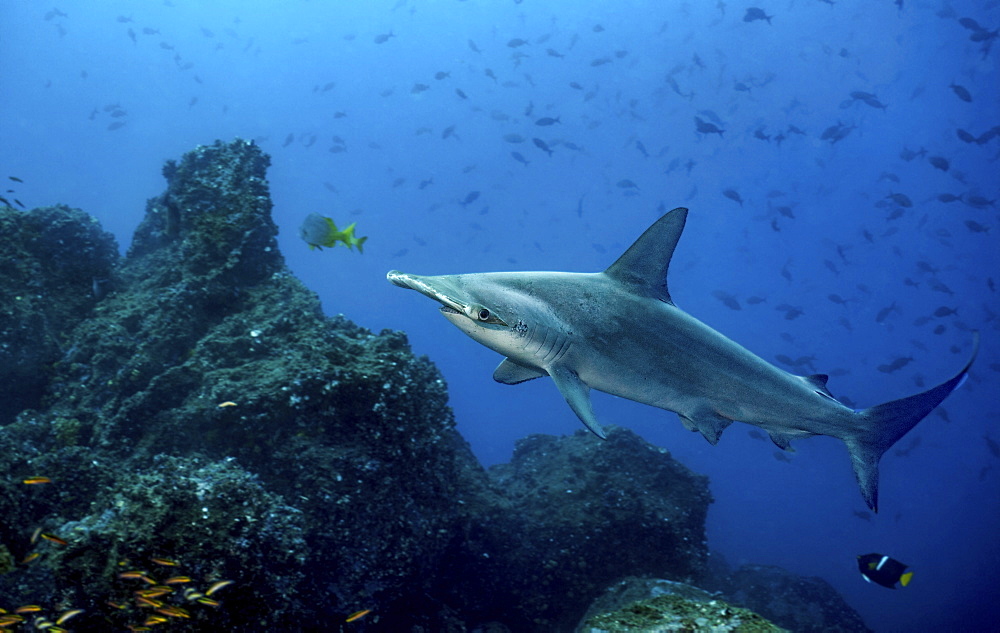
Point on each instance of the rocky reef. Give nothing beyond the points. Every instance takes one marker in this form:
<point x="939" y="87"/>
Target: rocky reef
<point x="56" y="264"/>
<point x="801" y="604"/>
<point x="645" y="605"/>
<point x="186" y="415"/>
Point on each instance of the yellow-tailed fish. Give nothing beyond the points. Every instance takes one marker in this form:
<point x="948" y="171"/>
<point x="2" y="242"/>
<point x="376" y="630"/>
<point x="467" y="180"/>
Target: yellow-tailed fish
<point x="318" y="231"/>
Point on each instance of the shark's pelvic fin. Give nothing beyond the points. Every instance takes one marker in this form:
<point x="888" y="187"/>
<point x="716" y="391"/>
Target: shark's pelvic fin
<point x="709" y="424"/>
<point x="643" y="267"/>
<point x="511" y="373"/>
<point x="885" y="424"/>
<point x="781" y="440"/>
<point x="577" y="395"/>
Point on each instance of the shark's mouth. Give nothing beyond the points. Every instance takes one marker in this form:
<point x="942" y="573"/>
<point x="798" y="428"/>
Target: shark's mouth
<point x="449" y="310"/>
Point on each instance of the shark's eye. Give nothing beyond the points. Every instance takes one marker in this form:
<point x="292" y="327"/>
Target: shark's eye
<point x="482" y="314"/>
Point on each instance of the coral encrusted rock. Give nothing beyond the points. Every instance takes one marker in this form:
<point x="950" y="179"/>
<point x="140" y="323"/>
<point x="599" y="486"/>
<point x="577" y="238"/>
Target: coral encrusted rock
<point x="581" y="513"/>
<point x="56" y="264"/>
<point x="646" y="605"/>
<point x="206" y="413"/>
<point x="807" y="604"/>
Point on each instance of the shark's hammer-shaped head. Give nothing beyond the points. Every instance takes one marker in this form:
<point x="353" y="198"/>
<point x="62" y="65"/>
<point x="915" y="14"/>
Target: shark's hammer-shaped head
<point x="466" y="301"/>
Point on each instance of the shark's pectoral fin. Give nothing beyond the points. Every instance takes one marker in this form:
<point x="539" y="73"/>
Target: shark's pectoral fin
<point x="577" y="394"/>
<point x="511" y="373"/>
<point x="708" y="423"/>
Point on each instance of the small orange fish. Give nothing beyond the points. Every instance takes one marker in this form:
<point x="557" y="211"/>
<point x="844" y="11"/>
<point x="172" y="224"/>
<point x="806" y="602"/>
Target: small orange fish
<point x="28" y="608"/>
<point x="166" y="562"/>
<point x="7" y="620"/>
<point x="30" y="557"/>
<point x="190" y="594"/>
<point x="174" y="612"/>
<point x="208" y="601"/>
<point x="66" y="615"/>
<point x="37" y="480"/>
<point x="217" y="585"/>
<point x="132" y="575"/>
<point x="52" y="538"/>
<point x="148" y="602"/>
<point x="357" y="615"/>
<point x="154" y="619"/>
<point x="177" y="580"/>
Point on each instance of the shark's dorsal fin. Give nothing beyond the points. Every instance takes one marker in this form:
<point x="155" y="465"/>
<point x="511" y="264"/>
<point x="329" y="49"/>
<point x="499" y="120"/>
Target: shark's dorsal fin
<point x="643" y="267"/>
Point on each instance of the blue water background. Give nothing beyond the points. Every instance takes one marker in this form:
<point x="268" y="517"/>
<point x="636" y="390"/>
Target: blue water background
<point x="258" y="70"/>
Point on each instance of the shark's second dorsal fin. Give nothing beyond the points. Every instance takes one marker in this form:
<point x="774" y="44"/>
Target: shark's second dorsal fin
<point x="818" y="382"/>
<point x="643" y="267"/>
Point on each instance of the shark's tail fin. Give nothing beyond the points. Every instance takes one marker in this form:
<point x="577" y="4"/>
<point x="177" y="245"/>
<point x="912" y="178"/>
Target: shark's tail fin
<point x="885" y="424"/>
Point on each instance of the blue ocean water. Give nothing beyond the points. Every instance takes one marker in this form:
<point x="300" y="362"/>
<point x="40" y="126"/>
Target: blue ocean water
<point x="822" y="199"/>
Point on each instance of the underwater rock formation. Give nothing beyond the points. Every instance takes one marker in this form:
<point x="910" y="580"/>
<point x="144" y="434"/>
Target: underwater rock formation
<point x="809" y="605"/>
<point x="646" y="605"/>
<point x="206" y="412"/>
<point x="583" y="513"/>
<point x="56" y="264"/>
<point x="201" y="421"/>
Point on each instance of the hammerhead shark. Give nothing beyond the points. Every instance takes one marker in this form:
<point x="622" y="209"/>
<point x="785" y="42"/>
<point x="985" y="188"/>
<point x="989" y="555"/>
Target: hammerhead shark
<point x="619" y="332"/>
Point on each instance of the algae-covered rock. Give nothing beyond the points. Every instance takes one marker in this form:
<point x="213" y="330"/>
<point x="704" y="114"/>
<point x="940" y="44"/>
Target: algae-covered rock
<point x="671" y="606"/>
<point x="806" y="604"/>
<point x="580" y="514"/>
<point x="205" y="411"/>
<point x="56" y="264"/>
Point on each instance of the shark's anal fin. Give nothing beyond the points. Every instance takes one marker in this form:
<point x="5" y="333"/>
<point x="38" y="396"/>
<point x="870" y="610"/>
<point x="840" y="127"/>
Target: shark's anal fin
<point x="577" y="395"/>
<point x="511" y="373"/>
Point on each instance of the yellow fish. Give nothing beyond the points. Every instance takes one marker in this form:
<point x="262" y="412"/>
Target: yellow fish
<point x="357" y="615"/>
<point x="318" y="231"/>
